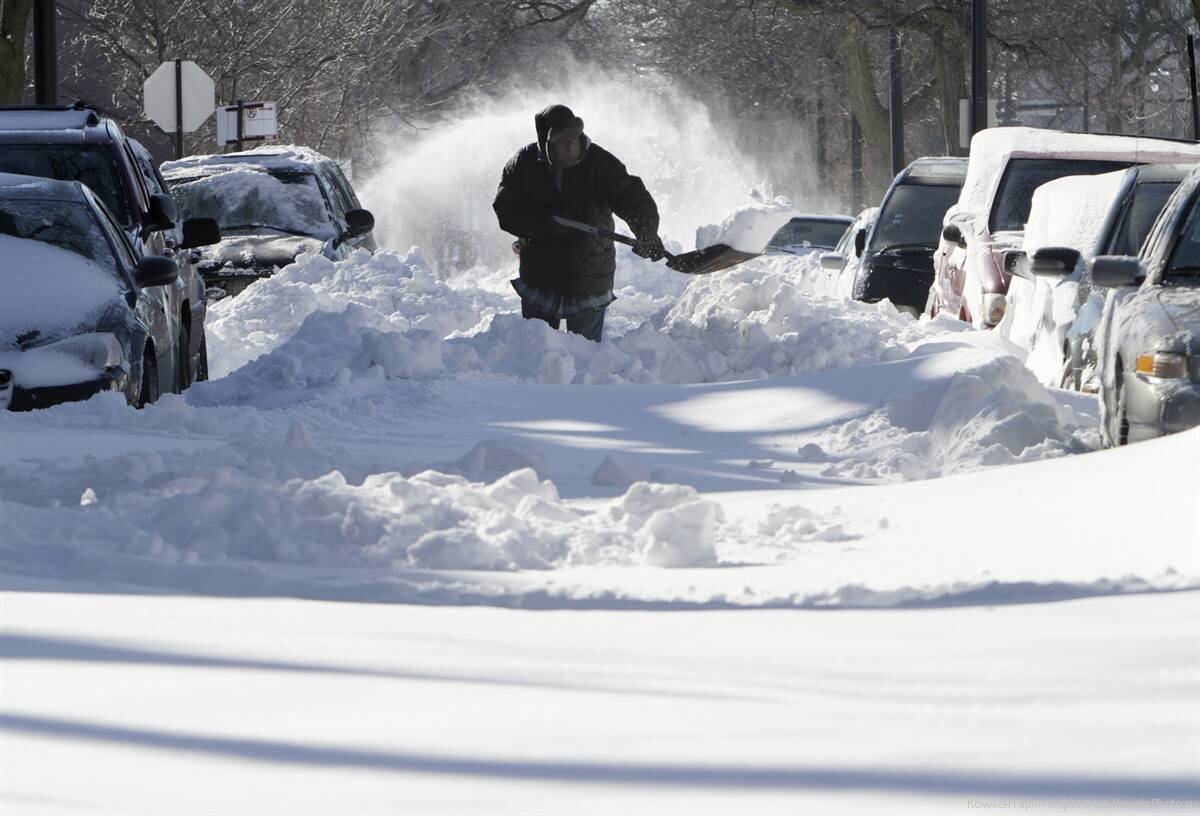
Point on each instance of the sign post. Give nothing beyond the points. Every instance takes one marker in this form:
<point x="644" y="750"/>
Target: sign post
<point x="178" y="97"/>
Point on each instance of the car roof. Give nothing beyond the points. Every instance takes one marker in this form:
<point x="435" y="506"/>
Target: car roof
<point x="18" y="187"/>
<point x="54" y="125"/>
<point x="992" y="148"/>
<point x="294" y="158"/>
<point x="936" y="169"/>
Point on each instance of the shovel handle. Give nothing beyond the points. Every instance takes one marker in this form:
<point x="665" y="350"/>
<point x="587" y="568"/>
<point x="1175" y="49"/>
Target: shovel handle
<point x="600" y="232"/>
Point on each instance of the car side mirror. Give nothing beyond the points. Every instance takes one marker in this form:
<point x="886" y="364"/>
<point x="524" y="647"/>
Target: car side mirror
<point x="860" y="242"/>
<point x="161" y="213"/>
<point x="155" y="270"/>
<point x="953" y="234"/>
<point x="198" y="232"/>
<point x="1114" y="271"/>
<point x="1016" y="265"/>
<point x="1053" y="262"/>
<point x="358" y="222"/>
<point x="833" y="261"/>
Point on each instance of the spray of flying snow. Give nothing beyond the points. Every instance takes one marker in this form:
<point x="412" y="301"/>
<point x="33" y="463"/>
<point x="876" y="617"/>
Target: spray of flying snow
<point x="435" y="191"/>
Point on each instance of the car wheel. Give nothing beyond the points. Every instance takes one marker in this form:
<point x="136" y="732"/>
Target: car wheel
<point x="149" y="390"/>
<point x="183" y="361"/>
<point x="1122" y="421"/>
<point x="202" y="365"/>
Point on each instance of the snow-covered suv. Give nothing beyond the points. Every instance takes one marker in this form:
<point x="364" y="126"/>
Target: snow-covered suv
<point x="1006" y="165"/>
<point x="272" y="203"/>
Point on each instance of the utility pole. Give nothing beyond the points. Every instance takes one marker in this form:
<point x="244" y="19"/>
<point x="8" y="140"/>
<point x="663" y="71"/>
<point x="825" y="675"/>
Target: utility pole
<point x="45" y="53"/>
<point x="897" y="106"/>
<point x="856" y="174"/>
<point x="979" y="83"/>
<point x="1192" y="74"/>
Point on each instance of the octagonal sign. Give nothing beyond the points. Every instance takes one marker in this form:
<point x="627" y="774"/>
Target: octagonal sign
<point x="198" y="92"/>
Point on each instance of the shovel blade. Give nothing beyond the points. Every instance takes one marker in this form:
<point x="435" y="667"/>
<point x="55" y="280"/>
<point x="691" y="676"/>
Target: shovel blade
<point x="709" y="259"/>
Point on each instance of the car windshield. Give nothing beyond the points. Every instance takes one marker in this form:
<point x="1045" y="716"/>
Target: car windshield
<point x="911" y="217"/>
<point x="1145" y="205"/>
<point x="65" y="224"/>
<point x="240" y="197"/>
<point x="813" y="231"/>
<point x="1185" y="260"/>
<point x="94" y="166"/>
<point x="1014" y="198"/>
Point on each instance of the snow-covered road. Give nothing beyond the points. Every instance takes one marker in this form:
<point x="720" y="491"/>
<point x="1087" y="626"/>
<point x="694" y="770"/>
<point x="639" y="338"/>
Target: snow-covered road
<point x="383" y="436"/>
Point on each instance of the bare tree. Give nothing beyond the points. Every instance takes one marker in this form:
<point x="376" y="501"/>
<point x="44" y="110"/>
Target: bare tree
<point x="14" y="22"/>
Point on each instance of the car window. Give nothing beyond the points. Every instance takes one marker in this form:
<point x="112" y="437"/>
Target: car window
<point x="337" y="196"/>
<point x="812" y="231"/>
<point x="1185" y="259"/>
<point x="69" y="225"/>
<point x="143" y="193"/>
<point x="93" y="165"/>
<point x="1143" y="206"/>
<point x="244" y="198"/>
<point x="1014" y="196"/>
<point x="345" y="186"/>
<point x="912" y="216"/>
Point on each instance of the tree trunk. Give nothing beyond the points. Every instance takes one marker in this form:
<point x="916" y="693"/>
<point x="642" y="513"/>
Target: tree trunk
<point x="950" y="74"/>
<point x="871" y="114"/>
<point x="14" y="22"/>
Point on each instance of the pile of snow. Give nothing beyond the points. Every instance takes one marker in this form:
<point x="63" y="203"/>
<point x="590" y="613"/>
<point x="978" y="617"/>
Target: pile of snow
<point x="749" y="228"/>
<point x="386" y="316"/>
<point x="49" y="289"/>
<point x="970" y="408"/>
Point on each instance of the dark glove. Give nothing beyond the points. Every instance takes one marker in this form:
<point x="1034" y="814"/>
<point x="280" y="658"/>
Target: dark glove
<point x="649" y="247"/>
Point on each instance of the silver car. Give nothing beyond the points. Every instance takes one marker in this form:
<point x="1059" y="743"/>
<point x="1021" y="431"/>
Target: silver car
<point x="1149" y="337"/>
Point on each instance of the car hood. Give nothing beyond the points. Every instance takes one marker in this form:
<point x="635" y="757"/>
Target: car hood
<point x="258" y="251"/>
<point x="50" y="292"/>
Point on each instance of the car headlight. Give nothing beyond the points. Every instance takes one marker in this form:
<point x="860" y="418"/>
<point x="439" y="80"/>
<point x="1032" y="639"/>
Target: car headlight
<point x="1163" y="365"/>
<point x="993" y="308"/>
<point x="98" y="351"/>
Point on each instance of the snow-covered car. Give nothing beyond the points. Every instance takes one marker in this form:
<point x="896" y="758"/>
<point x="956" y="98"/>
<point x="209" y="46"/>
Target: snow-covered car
<point x="841" y="265"/>
<point x="83" y="310"/>
<point x="272" y="204"/>
<point x="1148" y="340"/>
<point x="1006" y="165"/>
<point x="78" y="143"/>
<point x="809" y="234"/>
<point x="1052" y="306"/>
<point x="897" y="264"/>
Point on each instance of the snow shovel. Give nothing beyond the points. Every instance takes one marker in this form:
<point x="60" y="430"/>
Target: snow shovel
<point x="699" y="262"/>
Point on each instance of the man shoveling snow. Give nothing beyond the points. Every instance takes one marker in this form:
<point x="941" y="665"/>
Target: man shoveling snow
<point x="565" y="273"/>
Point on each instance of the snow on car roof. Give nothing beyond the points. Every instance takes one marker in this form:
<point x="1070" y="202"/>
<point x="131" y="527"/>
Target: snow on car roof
<point x="13" y="185"/>
<point x="48" y="119"/>
<point x="276" y="157"/>
<point x="937" y="167"/>
<point x="1072" y="211"/>
<point x="845" y="219"/>
<point x="992" y="148"/>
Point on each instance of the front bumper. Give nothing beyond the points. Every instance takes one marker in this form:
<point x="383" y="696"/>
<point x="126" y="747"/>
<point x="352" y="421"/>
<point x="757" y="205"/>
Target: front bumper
<point x="903" y="286"/>
<point x="1156" y="408"/>
<point x="28" y="399"/>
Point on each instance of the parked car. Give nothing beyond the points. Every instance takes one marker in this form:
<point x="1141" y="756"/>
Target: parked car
<point x="839" y="267"/>
<point x="897" y="263"/>
<point x="1006" y="165"/>
<point x="1148" y="340"/>
<point x="83" y="310"/>
<point x="810" y="234"/>
<point x="79" y="143"/>
<point x="1052" y="306"/>
<point x="272" y="204"/>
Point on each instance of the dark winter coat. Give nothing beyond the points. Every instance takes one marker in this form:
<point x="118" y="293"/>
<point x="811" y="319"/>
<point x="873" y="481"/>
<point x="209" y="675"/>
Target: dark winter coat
<point x="558" y="260"/>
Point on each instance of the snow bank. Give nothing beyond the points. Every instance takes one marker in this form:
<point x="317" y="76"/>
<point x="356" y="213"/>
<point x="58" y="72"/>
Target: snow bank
<point x="49" y="289"/>
<point x="971" y="408"/>
<point x="749" y="228"/>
